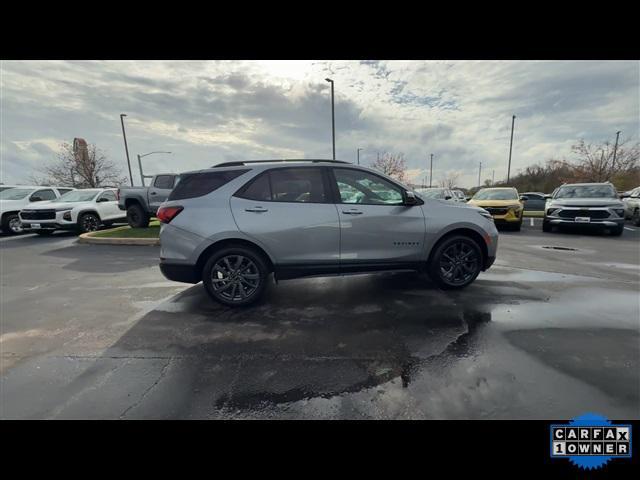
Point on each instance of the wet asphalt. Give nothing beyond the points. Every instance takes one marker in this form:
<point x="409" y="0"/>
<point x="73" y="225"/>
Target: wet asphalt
<point x="93" y="331"/>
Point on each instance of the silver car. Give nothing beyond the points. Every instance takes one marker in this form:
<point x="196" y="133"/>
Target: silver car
<point x="234" y="224"/>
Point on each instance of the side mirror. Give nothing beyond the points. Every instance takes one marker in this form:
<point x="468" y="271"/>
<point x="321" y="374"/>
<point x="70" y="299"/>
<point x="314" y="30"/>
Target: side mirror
<point x="35" y="199"/>
<point x="410" y="198"/>
<point x="448" y="197"/>
<point x="524" y="198"/>
<point x="103" y="199"/>
<point x="547" y="196"/>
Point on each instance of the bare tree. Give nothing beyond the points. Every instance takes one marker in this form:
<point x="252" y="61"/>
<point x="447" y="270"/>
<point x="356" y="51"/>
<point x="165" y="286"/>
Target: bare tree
<point x="596" y="163"/>
<point x="85" y="169"/>
<point x="450" y="180"/>
<point x="392" y="165"/>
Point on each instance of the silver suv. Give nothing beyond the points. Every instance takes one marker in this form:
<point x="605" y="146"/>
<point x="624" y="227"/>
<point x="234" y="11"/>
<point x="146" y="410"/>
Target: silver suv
<point x="594" y="205"/>
<point x="234" y="224"/>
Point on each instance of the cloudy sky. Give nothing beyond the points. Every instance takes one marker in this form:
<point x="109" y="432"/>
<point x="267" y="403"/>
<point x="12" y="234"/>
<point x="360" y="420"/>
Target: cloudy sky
<point x="209" y="112"/>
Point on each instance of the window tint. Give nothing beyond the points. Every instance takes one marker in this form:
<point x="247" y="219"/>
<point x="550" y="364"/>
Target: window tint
<point x="193" y="185"/>
<point x="109" y="195"/>
<point x="357" y="186"/>
<point x="44" y="195"/>
<point x="297" y="185"/>
<point x="257" y="189"/>
<point x="163" y="181"/>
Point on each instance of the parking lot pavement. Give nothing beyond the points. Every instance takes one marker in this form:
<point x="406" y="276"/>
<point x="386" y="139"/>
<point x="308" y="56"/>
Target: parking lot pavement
<point x="91" y="331"/>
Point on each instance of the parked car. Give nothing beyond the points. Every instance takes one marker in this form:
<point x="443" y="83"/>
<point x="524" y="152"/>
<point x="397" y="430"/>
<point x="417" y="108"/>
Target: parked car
<point x="142" y="203"/>
<point x="460" y="196"/>
<point x="588" y="204"/>
<point x="632" y="206"/>
<point x="81" y="210"/>
<point x="437" y="193"/>
<point x="232" y="225"/>
<point x="535" y="202"/>
<point x="12" y="200"/>
<point x="503" y="203"/>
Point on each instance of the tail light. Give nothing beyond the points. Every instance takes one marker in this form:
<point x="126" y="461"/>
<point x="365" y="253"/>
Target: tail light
<point x="166" y="214"/>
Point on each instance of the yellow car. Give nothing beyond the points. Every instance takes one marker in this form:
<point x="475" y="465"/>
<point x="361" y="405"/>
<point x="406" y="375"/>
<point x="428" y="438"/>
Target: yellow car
<point x="504" y="204"/>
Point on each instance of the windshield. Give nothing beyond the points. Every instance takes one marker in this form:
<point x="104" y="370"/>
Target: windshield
<point x="15" y="193"/>
<point x="491" y="194"/>
<point x="78" y="196"/>
<point x="431" y="192"/>
<point x="586" y="191"/>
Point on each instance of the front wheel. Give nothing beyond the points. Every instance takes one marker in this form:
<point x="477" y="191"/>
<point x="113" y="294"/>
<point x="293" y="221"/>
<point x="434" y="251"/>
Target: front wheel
<point x="88" y="222"/>
<point x="456" y="262"/>
<point x="11" y="225"/>
<point x="235" y="276"/>
<point x="636" y="217"/>
<point x="617" y="231"/>
<point x="546" y="226"/>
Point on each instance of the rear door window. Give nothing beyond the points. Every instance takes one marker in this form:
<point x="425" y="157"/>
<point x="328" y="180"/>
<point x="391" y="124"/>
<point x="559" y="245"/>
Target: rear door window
<point x="164" y="181"/>
<point x="296" y="185"/>
<point x="193" y="185"/>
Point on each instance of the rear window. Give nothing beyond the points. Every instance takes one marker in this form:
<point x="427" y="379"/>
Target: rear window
<point x="198" y="184"/>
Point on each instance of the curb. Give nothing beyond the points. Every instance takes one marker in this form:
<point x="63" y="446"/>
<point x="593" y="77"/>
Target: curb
<point x="89" y="238"/>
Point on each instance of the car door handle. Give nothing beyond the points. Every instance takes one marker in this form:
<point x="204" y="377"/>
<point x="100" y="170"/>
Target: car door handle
<point x="256" y="209"/>
<point x="153" y="193"/>
<point x="353" y="211"/>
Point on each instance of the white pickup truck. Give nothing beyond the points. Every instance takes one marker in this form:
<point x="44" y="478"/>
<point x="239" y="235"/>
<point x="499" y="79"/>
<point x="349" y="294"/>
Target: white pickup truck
<point x="81" y="210"/>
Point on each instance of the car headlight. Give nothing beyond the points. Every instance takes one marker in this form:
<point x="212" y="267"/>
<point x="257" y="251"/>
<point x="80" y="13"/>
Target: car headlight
<point x="619" y="211"/>
<point x="485" y="214"/>
<point x="63" y="209"/>
<point x="67" y="215"/>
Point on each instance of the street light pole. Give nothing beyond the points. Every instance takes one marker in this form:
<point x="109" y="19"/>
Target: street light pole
<point x="142" y="175"/>
<point x="493" y="177"/>
<point x="359" y="155"/>
<point x="431" y="171"/>
<point x="126" y="148"/>
<point x="479" y="172"/>
<point x="513" y="121"/>
<point x="615" y="150"/>
<point x="333" y="120"/>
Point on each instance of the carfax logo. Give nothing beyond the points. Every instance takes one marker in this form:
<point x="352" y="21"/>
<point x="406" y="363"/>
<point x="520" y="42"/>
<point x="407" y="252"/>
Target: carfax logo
<point x="590" y="441"/>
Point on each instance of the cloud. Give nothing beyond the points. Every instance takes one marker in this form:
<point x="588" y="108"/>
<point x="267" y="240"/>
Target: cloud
<point x="208" y="112"/>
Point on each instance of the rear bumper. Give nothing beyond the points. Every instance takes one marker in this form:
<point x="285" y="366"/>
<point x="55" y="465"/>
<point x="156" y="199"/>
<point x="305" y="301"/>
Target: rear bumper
<point x="180" y="272"/>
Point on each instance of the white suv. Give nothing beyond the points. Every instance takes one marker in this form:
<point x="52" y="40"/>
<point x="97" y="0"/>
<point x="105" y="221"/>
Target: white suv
<point x="15" y="198"/>
<point x="82" y="210"/>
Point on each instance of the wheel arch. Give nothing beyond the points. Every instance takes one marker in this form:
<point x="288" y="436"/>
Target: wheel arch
<point x="469" y="232"/>
<point x="206" y="253"/>
<point x="88" y="210"/>
<point x="6" y="214"/>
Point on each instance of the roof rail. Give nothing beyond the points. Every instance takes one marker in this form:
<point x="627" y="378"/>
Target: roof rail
<point x="245" y="162"/>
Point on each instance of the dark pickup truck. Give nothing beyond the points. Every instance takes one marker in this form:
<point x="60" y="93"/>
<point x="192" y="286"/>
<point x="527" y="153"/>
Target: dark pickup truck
<point x="142" y="203"/>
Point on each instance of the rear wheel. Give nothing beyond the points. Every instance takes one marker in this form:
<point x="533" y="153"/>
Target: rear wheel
<point x="88" y="222"/>
<point x="235" y="276"/>
<point x="11" y="224"/>
<point x="456" y="262"/>
<point x="137" y="217"/>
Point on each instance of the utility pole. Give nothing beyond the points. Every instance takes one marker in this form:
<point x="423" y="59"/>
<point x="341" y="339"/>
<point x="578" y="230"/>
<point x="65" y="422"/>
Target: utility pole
<point x="513" y="121"/>
<point x="126" y="148"/>
<point x="333" y="120"/>
<point x="615" y="150"/>
<point x="493" y="177"/>
<point x="359" y="155"/>
<point x="479" y="172"/>
<point x="431" y="171"/>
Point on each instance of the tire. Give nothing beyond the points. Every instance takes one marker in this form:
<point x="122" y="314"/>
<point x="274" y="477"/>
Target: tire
<point x="11" y="224"/>
<point x="617" y="231"/>
<point x="636" y="217"/>
<point x="251" y="283"/>
<point x="137" y="217"/>
<point x="546" y="226"/>
<point x="517" y="227"/>
<point x="455" y="276"/>
<point x="88" y="222"/>
<point x="44" y="233"/>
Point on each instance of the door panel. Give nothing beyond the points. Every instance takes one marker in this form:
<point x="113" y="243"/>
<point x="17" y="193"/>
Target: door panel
<point x="374" y="224"/>
<point x="292" y="232"/>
